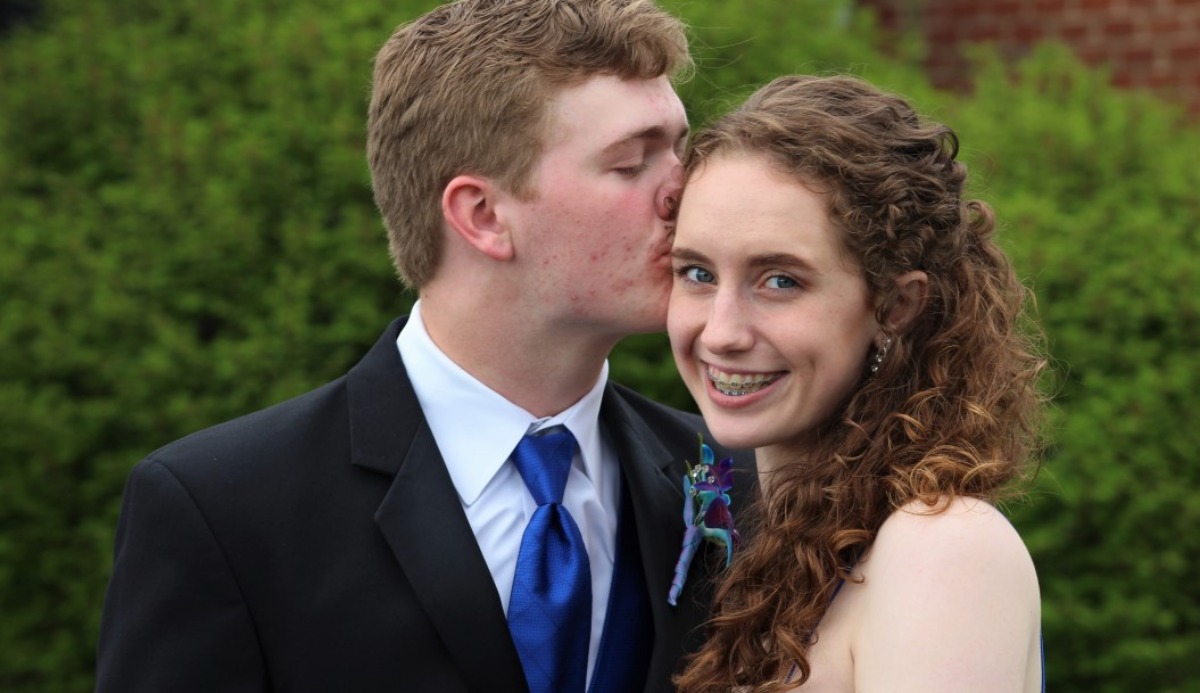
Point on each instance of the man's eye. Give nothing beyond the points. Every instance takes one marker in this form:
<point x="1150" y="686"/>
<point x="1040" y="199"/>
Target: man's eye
<point x="631" y="171"/>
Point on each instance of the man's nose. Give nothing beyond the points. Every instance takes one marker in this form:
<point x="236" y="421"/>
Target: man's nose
<point x="667" y="202"/>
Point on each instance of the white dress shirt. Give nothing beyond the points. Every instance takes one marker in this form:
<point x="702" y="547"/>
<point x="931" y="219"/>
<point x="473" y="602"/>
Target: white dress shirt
<point x="476" y="430"/>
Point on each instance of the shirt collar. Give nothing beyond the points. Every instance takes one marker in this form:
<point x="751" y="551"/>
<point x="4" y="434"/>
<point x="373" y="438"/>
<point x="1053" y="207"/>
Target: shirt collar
<point x="476" y="429"/>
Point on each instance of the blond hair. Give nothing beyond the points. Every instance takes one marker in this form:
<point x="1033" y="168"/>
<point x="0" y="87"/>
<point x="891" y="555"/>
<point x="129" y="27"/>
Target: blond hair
<point x="465" y="88"/>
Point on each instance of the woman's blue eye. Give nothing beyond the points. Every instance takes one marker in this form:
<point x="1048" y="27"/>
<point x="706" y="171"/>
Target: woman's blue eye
<point x="698" y="274"/>
<point x="780" y="281"/>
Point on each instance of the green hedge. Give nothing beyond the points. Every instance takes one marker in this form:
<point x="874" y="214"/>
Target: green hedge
<point x="1098" y="193"/>
<point x="188" y="235"/>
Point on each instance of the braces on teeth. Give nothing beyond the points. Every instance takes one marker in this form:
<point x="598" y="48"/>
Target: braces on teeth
<point x="737" y="385"/>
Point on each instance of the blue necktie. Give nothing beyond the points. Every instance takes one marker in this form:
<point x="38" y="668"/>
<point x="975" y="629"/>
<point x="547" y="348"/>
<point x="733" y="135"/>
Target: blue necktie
<point x="550" y="611"/>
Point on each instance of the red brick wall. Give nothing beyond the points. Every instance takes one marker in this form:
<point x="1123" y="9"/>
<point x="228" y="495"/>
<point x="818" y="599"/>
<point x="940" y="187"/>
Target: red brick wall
<point x="1147" y="43"/>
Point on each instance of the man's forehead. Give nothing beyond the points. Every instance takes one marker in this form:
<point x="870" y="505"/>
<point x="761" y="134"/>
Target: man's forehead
<point x="610" y="111"/>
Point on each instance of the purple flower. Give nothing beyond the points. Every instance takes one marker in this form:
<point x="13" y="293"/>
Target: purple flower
<point x="706" y="513"/>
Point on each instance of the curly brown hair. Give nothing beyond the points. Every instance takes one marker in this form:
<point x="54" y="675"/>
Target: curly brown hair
<point x="954" y="407"/>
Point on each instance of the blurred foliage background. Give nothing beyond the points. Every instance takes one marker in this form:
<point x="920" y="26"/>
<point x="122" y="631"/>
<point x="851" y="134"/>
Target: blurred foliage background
<point x="188" y="234"/>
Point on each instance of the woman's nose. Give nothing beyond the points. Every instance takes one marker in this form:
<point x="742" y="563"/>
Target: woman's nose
<point x="728" y="328"/>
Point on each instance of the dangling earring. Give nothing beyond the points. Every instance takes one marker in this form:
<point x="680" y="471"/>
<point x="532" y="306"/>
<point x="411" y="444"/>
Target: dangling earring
<point x="880" y="354"/>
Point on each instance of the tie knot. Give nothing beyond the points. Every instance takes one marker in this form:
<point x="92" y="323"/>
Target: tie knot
<point x="544" y="462"/>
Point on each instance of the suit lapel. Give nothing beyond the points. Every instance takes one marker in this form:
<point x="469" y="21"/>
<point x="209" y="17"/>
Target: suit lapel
<point x="657" y="498"/>
<point x="423" y="522"/>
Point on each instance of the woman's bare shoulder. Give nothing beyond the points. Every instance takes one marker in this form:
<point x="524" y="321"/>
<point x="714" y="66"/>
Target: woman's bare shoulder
<point x="955" y="528"/>
<point x="950" y="594"/>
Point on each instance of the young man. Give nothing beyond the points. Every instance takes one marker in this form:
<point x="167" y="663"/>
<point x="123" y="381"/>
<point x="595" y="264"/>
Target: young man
<point x="373" y="534"/>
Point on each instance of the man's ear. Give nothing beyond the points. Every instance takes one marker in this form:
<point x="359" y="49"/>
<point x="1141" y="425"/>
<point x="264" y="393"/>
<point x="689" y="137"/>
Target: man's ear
<point x="911" y="297"/>
<point x="469" y="207"/>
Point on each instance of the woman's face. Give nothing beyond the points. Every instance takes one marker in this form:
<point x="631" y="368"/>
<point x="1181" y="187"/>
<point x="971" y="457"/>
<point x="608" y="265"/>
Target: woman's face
<point x="770" y="319"/>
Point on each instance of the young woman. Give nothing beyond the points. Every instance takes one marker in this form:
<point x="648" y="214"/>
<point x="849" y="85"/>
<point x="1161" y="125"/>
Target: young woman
<point x="841" y="308"/>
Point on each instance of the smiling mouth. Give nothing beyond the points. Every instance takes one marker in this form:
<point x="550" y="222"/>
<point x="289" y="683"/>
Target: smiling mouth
<point x="739" y="384"/>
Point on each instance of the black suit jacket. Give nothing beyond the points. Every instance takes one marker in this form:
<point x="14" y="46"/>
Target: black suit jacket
<point x="319" y="545"/>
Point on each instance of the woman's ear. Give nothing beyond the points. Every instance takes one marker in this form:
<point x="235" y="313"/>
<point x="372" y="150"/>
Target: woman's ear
<point x="911" y="297"/>
<point x="469" y="207"/>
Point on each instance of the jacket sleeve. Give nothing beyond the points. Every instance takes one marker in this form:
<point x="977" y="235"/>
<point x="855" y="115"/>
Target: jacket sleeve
<point x="174" y="617"/>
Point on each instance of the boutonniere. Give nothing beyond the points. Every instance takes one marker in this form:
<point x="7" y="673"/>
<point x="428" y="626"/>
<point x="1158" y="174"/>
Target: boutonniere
<point x="706" y="515"/>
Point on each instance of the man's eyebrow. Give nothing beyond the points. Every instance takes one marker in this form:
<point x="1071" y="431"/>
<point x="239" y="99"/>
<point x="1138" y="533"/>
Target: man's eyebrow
<point x="654" y="132"/>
